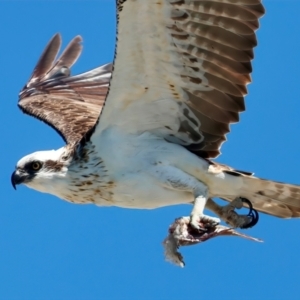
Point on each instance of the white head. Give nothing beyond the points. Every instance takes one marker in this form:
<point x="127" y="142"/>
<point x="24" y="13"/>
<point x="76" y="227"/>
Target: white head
<point x="41" y="170"/>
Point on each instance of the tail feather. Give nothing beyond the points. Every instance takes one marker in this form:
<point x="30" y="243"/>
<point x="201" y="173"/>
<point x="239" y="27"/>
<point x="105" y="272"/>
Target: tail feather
<point x="273" y="198"/>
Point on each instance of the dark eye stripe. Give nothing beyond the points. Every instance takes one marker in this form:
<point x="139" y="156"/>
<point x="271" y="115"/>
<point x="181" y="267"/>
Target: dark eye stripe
<point x="30" y="166"/>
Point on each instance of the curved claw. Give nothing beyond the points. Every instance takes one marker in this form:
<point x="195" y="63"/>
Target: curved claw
<point x="252" y="213"/>
<point x="245" y="200"/>
<point x="255" y="218"/>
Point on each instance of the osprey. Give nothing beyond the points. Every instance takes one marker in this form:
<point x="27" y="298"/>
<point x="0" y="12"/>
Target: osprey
<point x="141" y="133"/>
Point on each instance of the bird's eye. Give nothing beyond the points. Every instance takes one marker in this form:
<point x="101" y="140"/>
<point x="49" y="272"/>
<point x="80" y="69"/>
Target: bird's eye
<point x="36" y="165"/>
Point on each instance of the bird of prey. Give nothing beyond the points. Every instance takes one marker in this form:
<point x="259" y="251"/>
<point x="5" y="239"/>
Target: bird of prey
<point x="142" y="132"/>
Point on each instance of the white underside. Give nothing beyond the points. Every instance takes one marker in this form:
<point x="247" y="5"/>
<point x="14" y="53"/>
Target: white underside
<point x="149" y="172"/>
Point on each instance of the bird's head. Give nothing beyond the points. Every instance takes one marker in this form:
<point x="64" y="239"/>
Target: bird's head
<point x="41" y="170"/>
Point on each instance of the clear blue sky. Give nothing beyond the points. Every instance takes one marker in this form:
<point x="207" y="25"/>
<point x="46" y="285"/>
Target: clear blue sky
<point x="50" y="249"/>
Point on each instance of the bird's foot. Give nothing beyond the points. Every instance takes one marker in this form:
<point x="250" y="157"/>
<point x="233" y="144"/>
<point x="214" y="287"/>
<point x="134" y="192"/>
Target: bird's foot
<point x="198" y="221"/>
<point x="228" y="214"/>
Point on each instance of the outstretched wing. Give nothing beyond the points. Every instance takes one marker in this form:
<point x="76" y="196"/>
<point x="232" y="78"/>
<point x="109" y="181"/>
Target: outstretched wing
<point x="70" y="104"/>
<point x="181" y="69"/>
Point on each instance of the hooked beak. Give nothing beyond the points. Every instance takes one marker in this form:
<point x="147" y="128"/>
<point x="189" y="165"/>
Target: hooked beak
<point x="17" y="178"/>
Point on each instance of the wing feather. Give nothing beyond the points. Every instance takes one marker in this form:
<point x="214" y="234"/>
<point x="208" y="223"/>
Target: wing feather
<point x="44" y="63"/>
<point x="69" y="104"/>
<point x="181" y="69"/>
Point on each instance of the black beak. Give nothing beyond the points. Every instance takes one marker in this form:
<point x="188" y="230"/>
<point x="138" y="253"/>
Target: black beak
<point x="16" y="178"/>
<point x="13" y="183"/>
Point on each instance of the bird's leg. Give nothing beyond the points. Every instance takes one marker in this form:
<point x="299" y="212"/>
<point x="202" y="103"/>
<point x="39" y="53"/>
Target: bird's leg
<point x="197" y="214"/>
<point x="176" y="179"/>
<point x="228" y="214"/>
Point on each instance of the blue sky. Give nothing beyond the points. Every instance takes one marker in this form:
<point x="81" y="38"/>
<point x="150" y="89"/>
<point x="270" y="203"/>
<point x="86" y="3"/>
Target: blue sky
<point x="50" y="249"/>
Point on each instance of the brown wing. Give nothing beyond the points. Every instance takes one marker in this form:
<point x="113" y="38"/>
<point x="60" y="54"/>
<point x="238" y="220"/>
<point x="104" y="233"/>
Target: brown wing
<point x="181" y="69"/>
<point x="69" y="104"/>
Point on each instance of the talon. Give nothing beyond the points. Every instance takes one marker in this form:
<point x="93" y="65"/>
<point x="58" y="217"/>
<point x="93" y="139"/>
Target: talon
<point x="195" y="224"/>
<point x="236" y="220"/>
<point x="201" y="223"/>
<point x="254" y="218"/>
<point x="245" y="200"/>
<point x="252" y="213"/>
<point x="209" y="221"/>
<point x="197" y="228"/>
